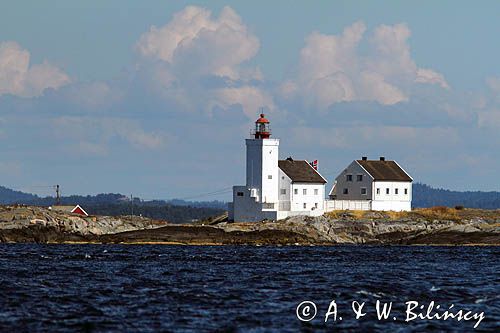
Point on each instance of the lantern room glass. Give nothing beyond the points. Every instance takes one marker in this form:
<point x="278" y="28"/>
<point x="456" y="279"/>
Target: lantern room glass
<point x="262" y="127"/>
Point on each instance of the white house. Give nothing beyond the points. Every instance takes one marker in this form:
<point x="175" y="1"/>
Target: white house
<point x="302" y="188"/>
<point x="372" y="185"/>
<point x="275" y="189"/>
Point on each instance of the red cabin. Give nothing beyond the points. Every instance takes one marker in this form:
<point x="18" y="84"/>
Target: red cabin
<point x="70" y="209"/>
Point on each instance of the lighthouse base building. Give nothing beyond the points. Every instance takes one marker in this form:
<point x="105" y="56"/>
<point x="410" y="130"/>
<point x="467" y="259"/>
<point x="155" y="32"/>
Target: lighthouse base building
<point x="275" y="189"/>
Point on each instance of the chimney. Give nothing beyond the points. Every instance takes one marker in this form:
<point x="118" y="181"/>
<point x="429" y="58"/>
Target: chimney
<point x="364" y="158"/>
<point x="382" y="158"/>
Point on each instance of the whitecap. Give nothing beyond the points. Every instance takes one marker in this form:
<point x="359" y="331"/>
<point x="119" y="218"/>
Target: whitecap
<point x="376" y="295"/>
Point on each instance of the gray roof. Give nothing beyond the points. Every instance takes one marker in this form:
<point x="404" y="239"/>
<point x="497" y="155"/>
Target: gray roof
<point x="385" y="170"/>
<point x="300" y="171"/>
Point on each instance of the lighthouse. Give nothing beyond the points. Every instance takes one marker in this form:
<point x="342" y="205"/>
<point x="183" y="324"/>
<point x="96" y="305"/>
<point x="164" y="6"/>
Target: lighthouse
<point x="275" y="189"/>
<point x="262" y="164"/>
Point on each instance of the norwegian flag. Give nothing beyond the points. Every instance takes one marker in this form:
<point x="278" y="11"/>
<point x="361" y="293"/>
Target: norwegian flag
<point x="314" y="164"/>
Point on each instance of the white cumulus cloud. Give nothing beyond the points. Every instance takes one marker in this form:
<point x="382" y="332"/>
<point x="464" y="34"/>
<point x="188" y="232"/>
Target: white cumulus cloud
<point x="205" y="61"/>
<point x="251" y="98"/>
<point x="18" y="78"/>
<point x="195" y="41"/>
<point x="332" y="68"/>
<point x="425" y="75"/>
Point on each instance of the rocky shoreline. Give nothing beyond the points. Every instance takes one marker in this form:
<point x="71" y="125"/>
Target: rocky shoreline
<point x="440" y="226"/>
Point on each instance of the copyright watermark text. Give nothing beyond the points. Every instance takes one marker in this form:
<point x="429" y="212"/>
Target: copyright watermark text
<point x="411" y="311"/>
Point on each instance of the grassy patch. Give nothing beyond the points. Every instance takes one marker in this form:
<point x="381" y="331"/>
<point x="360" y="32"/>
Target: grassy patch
<point x="397" y="215"/>
<point x="438" y="213"/>
<point x="338" y="214"/>
<point x="433" y="213"/>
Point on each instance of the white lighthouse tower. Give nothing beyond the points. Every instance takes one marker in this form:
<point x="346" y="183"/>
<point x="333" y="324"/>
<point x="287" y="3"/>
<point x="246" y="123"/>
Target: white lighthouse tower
<point x="275" y="189"/>
<point x="259" y="198"/>
<point x="262" y="164"/>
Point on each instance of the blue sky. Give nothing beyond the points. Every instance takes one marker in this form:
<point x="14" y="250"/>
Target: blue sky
<point x="156" y="98"/>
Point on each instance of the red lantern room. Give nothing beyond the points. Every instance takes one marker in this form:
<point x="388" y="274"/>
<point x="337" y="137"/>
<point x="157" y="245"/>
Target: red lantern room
<point x="262" y="129"/>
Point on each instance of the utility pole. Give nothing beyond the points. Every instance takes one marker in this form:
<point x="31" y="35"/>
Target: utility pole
<point x="58" y="195"/>
<point x="131" y="205"/>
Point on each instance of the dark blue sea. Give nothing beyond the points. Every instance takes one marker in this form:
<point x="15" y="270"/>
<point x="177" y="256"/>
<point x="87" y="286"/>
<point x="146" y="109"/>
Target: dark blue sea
<point x="159" y="288"/>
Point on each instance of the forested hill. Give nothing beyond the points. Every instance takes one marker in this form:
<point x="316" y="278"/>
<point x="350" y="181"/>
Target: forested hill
<point x="114" y="204"/>
<point x="8" y="196"/>
<point x="426" y="196"/>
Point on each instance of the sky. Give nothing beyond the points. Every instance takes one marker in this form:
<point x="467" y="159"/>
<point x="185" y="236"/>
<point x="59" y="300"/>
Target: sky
<point x="156" y="98"/>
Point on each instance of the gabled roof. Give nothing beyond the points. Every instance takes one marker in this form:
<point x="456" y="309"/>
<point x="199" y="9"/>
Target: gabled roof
<point x="300" y="171"/>
<point x="79" y="210"/>
<point x="385" y="170"/>
<point x="70" y="209"/>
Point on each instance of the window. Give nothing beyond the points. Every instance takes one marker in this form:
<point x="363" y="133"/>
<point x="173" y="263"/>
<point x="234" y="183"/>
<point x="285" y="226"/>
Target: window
<point x="240" y="194"/>
<point x="346" y="191"/>
<point x="396" y="191"/>
<point x="305" y="206"/>
<point x="359" y="178"/>
<point x="349" y="178"/>
<point x="270" y="177"/>
<point x="283" y="191"/>
<point x="406" y="191"/>
<point x="363" y="190"/>
<point x="378" y="191"/>
<point x="304" y="191"/>
<point x="295" y="191"/>
<point x="267" y="205"/>
<point x="316" y="191"/>
<point x="387" y="191"/>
